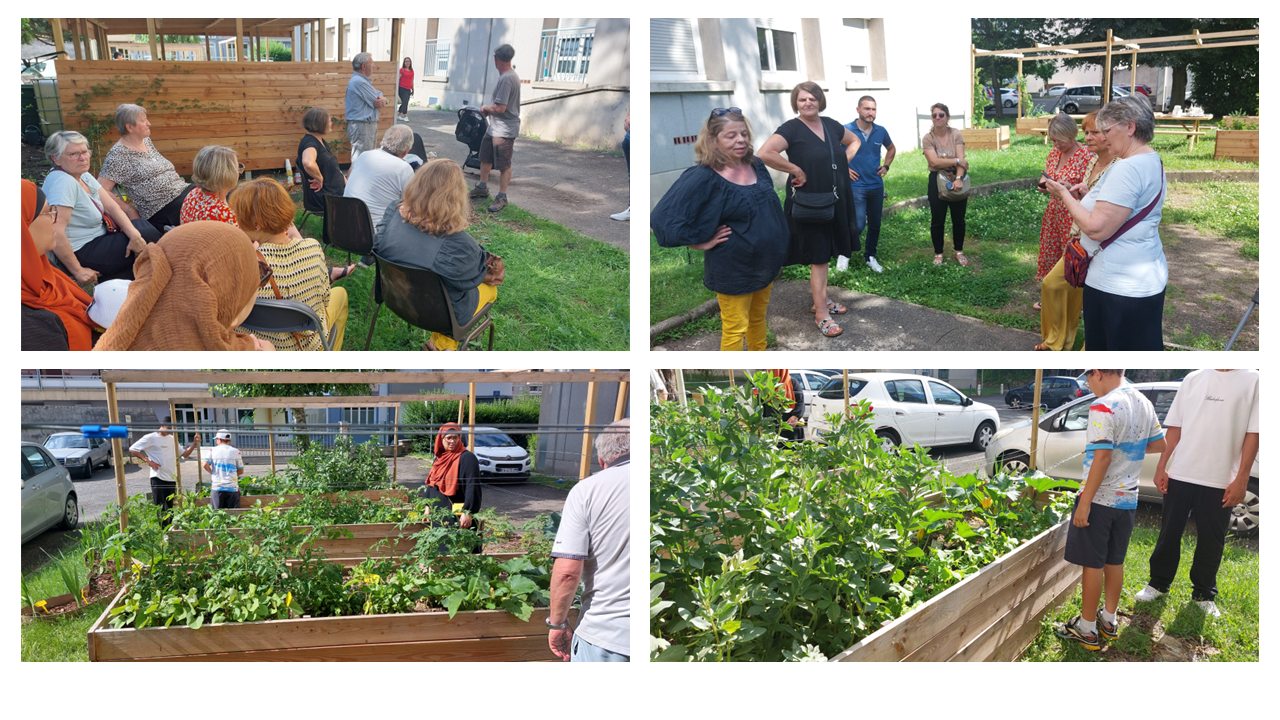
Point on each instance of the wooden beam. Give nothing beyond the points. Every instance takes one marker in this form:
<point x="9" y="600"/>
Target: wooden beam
<point x="82" y="48"/>
<point x="320" y="40"/>
<point x="323" y="401"/>
<point x="271" y="440"/>
<point x="59" y="45"/>
<point x="584" y="463"/>
<point x="973" y="70"/>
<point x="395" y="40"/>
<point x="364" y="34"/>
<point x="177" y="446"/>
<point x="471" y="418"/>
<point x="350" y="377"/>
<point x="208" y="55"/>
<point x="395" y="443"/>
<point x="163" y="53"/>
<point x="239" y="40"/>
<point x="342" y="41"/>
<point x="1035" y="411"/>
<point x="212" y="24"/>
<point x="622" y="401"/>
<point x="1106" y="98"/>
<point x="315" y="41"/>
<point x="117" y="455"/>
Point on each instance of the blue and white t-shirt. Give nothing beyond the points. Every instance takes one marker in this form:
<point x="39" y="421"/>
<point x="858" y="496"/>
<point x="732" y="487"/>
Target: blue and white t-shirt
<point x="867" y="160"/>
<point x="1123" y="422"/>
<point x="226" y="464"/>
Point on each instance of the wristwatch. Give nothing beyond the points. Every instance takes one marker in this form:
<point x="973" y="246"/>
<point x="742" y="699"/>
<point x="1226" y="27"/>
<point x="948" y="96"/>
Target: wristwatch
<point x="557" y="626"/>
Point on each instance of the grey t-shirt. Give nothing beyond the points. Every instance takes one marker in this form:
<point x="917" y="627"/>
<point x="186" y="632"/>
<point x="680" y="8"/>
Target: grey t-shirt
<point x="506" y="92"/>
<point x="596" y="528"/>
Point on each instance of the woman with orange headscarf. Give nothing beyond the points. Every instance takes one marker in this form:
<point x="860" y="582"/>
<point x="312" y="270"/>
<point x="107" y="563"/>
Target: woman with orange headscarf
<point x="790" y="410"/>
<point x="46" y="292"/>
<point x="455" y="475"/>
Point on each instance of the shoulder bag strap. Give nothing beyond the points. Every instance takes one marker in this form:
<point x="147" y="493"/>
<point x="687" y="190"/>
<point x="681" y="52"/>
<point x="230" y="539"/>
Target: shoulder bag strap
<point x="1131" y="222"/>
<point x="835" y="176"/>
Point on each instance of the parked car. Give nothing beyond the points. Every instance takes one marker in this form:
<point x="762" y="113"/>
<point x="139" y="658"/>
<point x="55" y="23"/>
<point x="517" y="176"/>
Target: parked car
<point x="1061" y="451"/>
<point x="1142" y="88"/>
<point x="76" y="452"/>
<point x="1055" y="91"/>
<point x="1008" y="96"/>
<point x="1054" y="391"/>
<point x="500" y="456"/>
<point x="910" y="409"/>
<point x="806" y="384"/>
<point x="48" y="496"/>
<point x="1083" y="99"/>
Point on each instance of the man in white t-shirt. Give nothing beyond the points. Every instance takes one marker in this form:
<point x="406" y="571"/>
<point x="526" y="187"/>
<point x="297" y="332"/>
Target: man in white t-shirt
<point x="157" y="450"/>
<point x="379" y="177"/>
<point x="593" y="545"/>
<point x="225" y="466"/>
<point x="1212" y="442"/>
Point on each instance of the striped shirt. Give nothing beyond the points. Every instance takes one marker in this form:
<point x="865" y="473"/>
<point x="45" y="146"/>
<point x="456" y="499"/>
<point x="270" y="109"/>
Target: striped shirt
<point x="301" y="274"/>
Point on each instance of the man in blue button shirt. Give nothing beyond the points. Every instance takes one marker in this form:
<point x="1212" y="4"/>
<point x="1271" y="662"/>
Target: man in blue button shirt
<point x="868" y="189"/>
<point x="362" y="104"/>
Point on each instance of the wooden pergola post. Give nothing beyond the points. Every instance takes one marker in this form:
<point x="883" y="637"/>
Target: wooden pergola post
<point x="460" y="406"/>
<point x="208" y="55"/>
<point x="342" y="41"/>
<point x="82" y="46"/>
<point x="471" y="417"/>
<point x="364" y="34"/>
<point x="271" y="439"/>
<point x="395" y="442"/>
<point x="973" y="78"/>
<point x="199" y="455"/>
<point x="584" y="464"/>
<point x="622" y="401"/>
<point x="845" y="373"/>
<point x="1133" y="71"/>
<point x="151" y="37"/>
<point x="320" y="40"/>
<point x="1035" y="403"/>
<point x="1020" y="89"/>
<point x="163" y="52"/>
<point x="395" y="40"/>
<point x="117" y="456"/>
<point x="59" y="45"/>
<point x="240" y="40"/>
<point x="1106" y="77"/>
<point x="315" y="41"/>
<point x="177" y="444"/>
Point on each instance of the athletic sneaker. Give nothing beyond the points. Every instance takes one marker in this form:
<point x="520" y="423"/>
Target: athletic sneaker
<point x="624" y="215"/>
<point x="1108" y="631"/>
<point x="480" y="192"/>
<point x="1209" y="608"/>
<point x="1070" y="631"/>
<point x="871" y="263"/>
<point x="1147" y="594"/>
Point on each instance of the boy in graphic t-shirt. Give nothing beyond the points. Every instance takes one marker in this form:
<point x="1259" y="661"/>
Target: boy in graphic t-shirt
<point x="225" y="467"/>
<point x="1123" y="428"/>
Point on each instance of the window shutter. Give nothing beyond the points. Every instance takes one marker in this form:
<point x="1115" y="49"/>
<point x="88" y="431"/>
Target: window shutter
<point x="671" y="46"/>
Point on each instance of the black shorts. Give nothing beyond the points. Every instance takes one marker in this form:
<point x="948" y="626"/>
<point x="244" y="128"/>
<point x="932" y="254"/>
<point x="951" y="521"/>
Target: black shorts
<point x="225" y="499"/>
<point x="1106" y="539"/>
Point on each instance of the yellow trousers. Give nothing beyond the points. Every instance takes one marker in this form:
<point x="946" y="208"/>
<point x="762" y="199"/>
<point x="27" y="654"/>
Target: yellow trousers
<point x="336" y="312"/>
<point x="1059" y="309"/>
<point x="488" y="293"/>
<point x="743" y="316"/>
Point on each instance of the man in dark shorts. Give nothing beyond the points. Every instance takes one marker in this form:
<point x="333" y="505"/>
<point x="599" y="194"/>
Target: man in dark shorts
<point x="1123" y="428"/>
<point x="504" y="127"/>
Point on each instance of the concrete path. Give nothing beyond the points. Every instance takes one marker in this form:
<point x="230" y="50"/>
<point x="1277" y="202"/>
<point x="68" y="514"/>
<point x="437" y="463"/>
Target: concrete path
<point x="872" y="323"/>
<point x="577" y="188"/>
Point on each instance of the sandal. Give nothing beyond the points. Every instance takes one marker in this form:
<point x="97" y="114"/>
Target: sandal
<point x="1036" y="307"/>
<point x="1042" y="346"/>
<point x="345" y="272"/>
<point x="960" y="258"/>
<point x="834" y="307"/>
<point x="825" y="326"/>
<point x="937" y="259"/>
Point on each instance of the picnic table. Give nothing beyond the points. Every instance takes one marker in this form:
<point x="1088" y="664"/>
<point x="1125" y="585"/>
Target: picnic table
<point x="1165" y="124"/>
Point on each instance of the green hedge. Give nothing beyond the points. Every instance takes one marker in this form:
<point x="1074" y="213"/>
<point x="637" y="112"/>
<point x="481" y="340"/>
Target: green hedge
<point x="523" y="410"/>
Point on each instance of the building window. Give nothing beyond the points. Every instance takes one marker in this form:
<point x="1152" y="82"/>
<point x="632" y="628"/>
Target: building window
<point x="437" y="57"/>
<point x="777" y="50"/>
<point x="856" y="44"/>
<point x="674" y="50"/>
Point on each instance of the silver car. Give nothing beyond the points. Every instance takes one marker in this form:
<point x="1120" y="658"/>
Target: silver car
<point x="1062" y="440"/>
<point x="48" y="497"/>
<point x="78" y="453"/>
<point x="1083" y="99"/>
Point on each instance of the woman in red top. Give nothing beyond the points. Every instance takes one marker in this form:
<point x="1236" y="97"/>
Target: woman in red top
<point x="216" y="170"/>
<point x="406" y="89"/>
<point x="1066" y="164"/>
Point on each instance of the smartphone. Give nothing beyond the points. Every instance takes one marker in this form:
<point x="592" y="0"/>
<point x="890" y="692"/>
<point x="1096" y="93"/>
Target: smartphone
<point x="1044" y="176"/>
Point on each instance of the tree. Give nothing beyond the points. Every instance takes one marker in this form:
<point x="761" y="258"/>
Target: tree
<point x="36" y="29"/>
<point x="252" y="390"/>
<point x="278" y="52"/>
<point x="1007" y="34"/>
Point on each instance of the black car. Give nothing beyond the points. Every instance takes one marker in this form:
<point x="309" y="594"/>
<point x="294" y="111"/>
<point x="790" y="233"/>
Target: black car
<point x="1054" y="391"/>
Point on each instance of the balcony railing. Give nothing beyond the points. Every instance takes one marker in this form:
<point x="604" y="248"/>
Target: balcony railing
<point x="565" y="54"/>
<point x="437" y="58"/>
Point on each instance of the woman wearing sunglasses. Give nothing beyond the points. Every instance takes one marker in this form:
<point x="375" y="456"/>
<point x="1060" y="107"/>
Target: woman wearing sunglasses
<point x="944" y="152"/>
<point x="819" y="151"/>
<point x="726" y="207"/>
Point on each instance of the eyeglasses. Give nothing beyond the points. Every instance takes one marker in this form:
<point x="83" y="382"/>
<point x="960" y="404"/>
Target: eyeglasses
<point x="83" y="154"/>
<point x="725" y="111"/>
<point x="264" y="274"/>
<point x="939" y="115"/>
<point x="51" y="211"/>
<point x="240" y="166"/>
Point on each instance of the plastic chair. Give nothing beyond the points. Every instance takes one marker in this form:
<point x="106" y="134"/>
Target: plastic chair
<point x="288" y="316"/>
<point x="420" y="298"/>
<point x="347" y="225"/>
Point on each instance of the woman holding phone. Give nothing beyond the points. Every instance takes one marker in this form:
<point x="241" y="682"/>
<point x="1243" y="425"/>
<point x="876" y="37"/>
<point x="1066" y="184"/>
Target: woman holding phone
<point x="1067" y="163"/>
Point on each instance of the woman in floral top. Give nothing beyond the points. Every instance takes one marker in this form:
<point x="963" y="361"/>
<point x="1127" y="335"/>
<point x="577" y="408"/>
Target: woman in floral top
<point x="155" y="189"/>
<point x="1066" y="164"/>
<point x="216" y="171"/>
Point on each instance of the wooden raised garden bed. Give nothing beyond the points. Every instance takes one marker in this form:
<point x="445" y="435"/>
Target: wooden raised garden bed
<point x="361" y="543"/>
<point x="996" y="138"/>
<point x="482" y="635"/>
<point x="248" y="501"/>
<point x="1238" y="145"/>
<point x="993" y="614"/>
<point x="1032" y="125"/>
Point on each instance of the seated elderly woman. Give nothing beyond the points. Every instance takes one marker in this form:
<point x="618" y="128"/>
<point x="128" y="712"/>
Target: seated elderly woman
<point x="216" y="171"/>
<point x="265" y="213"/>
<point x="93" y="238"/>
<point x="426" y="230"/>
<point x="321" y="174"/>
<point x="54" y="309"/>
<point x="154" y="188"/>
<point x="193" y="288"/>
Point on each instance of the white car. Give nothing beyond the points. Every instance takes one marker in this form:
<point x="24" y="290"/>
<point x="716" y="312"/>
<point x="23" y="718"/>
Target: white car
<point x="500" y="456"/>
<point x="48" y="496"/>
<point x="1061" y="441"/>
<point x="909" y="409"/>
<point x="77" y="452"/>
<point x="810" y="381"/>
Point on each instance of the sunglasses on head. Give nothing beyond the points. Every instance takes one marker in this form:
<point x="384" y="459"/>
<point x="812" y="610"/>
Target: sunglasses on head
<point x="725" y="111"/>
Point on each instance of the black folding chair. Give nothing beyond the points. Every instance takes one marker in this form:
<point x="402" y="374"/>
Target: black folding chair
<point x="348" y="225"/>
<point x="420" y="298"/>
<point x="288" y="316"/>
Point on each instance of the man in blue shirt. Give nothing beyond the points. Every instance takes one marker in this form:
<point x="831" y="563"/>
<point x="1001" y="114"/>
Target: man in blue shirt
<point x="362" y="104"/>
<point x="868" y="189"/>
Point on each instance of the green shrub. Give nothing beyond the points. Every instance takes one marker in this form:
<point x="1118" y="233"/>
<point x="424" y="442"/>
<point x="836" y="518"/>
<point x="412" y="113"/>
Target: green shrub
<point x="522" y="410"/>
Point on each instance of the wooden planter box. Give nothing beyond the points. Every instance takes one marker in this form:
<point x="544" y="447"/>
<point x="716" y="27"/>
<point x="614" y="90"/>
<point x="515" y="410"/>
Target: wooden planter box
<point x="248" y="501"/>
<point x="1238" y="145"/>
<point x="54" y="602"/>
<point x="361" y="544"/>
<point x="482" y="635"/>
<point x="993" y="614"/>
<point x="1029" y="126"/>
<point x="996" y="138"/>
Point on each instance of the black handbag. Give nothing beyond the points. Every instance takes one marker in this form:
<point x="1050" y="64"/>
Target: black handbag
<point x="817" y="207"/>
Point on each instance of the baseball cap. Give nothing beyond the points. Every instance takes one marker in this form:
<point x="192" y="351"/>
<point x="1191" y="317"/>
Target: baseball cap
<point x="223" y="435"/>
<point x="504" y="52"/>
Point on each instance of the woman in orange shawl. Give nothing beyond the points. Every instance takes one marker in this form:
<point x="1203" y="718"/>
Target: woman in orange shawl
<point x="43" y="287"/>
<point x="455" y="475"/>
<point x="790" y="412"/>
<point x="189" y="292"/>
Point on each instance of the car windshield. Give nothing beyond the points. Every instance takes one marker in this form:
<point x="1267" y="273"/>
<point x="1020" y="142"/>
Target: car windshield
<point x="496" y="439"/>
<point x="67" y="441"/>
<point x="834" y="389"/>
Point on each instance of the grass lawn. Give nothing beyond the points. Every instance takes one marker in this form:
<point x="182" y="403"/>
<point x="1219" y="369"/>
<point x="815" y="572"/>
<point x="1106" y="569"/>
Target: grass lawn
<point x="58" y="640"/>
<point x="557" y="483"/>
<point x="563" y="290"/>
<point x="1231" y="638"/>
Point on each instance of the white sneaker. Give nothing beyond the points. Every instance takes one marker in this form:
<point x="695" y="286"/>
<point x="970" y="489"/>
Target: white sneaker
<point x="624" y="215"/>
<point x="1147" y="594"/>
<point x="1209" y="608"/>
<point x="871" y="263"/>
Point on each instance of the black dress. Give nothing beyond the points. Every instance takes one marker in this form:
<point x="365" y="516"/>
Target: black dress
<point x="701" y="201"/>
<point x="334" y="182"/>
<point x="819" y="244"/>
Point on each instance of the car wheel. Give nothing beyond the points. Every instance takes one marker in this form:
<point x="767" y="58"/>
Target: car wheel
<point x="889" y="440"/>
<point x="982" y="437"/>
<point x="1014" y="463"/>
<point x="1008" y="103"/>
<point x="1244" y="517"/>
<point x="1069" y="109"/>
<point x="70" y="513"/>
<point x="1015" y="402"/>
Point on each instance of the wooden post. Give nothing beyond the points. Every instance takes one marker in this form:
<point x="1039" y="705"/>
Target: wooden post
<point x="271" y="439"/>
<point x="59" y="44"/>
<point x="471" y="417"/>
<point x="117" y="454"/>
<point x="240" y="40"/>
<point x="320" y="39"/>
<point x="1133" y="77"/>
<point x="200" y="460"/>
<point x="731" y="385"/>
<point x="163" y="52"/>
<point x="845" y="372"/>
<point x="1106" y="76"/>
<point x="177" y="445"/>
<point x="584" y="464"/>
<point x="622" y="401"/>
<point x="151" y="37"/>
<point x="395" y="442"/>
<point x="208" y="55"/>
<point x="82" y="49"/>
<point x="1019" y="90"/>
<point x="364" y="34"/>
<point x="460" y="406"/>
<point x="679" y="374"/>
<point x="973" y="59"/>
<point x="395" y="40"/>
<point x="315" y="42"/>
<point x="1035" y="402"/>
<point x="342" y="41"/>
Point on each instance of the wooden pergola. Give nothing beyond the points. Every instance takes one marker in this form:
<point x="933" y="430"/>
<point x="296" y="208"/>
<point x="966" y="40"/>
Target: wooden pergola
<point x="87" y="33"/>
<point x="1111" y="47"/>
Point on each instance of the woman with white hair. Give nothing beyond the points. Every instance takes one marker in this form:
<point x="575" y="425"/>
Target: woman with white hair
<point x="1066" y="163"/>
<point x="94" y="239"/>
<point x="1125" y="284"/>
<point x="155" y="189"/>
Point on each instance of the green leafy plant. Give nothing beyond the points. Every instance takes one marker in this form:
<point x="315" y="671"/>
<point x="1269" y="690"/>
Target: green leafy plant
<point x="980" y="104"/>
<point x="1024" y="97"/>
